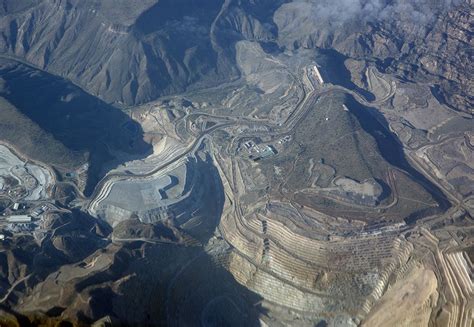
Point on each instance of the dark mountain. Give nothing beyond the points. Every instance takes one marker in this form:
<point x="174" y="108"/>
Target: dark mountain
<point x="53" y="121"/>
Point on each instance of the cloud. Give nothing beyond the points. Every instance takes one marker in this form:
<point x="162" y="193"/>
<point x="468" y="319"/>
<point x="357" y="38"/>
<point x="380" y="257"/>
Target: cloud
<point x="340" y="11"/>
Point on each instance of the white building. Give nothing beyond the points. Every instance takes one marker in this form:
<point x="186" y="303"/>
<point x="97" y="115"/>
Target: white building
<point x="19" y="219"/>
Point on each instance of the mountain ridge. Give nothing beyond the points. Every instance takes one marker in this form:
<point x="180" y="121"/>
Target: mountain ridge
<point x="162" y="47"/>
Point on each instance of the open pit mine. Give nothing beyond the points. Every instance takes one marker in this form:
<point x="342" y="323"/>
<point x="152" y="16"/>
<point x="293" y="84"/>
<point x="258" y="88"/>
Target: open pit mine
<point x="208" y="163"/>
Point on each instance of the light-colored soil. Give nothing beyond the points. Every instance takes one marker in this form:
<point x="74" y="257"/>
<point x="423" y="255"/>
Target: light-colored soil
<point x="406" y="303"/>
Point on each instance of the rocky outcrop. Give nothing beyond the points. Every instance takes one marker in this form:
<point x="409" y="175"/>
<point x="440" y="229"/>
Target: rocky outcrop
<point x="431" y="44"/>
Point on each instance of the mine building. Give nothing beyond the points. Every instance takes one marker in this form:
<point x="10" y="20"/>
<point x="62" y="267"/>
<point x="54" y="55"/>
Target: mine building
<point x="266" y="152"/>
<point x="19" y="219"/>
<point x="37" y="212"/>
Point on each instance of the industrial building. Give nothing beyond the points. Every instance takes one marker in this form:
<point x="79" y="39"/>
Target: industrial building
<point x="262" y="153"/>
<point x="19" y="219"/>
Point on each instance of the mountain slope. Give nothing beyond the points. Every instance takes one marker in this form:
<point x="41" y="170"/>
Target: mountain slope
<point x="129" y="58"/>
<point x="133" y="52"/>
<point x="424" y="41"/>
<point x="50" y="120"/>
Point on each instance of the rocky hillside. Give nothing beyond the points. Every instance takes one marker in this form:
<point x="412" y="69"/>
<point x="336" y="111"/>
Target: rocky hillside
<point x="53" y="121"/>
<point x="425" y="41"/>
<point x="130" y="52"/>
<point x="135" y="51"/>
